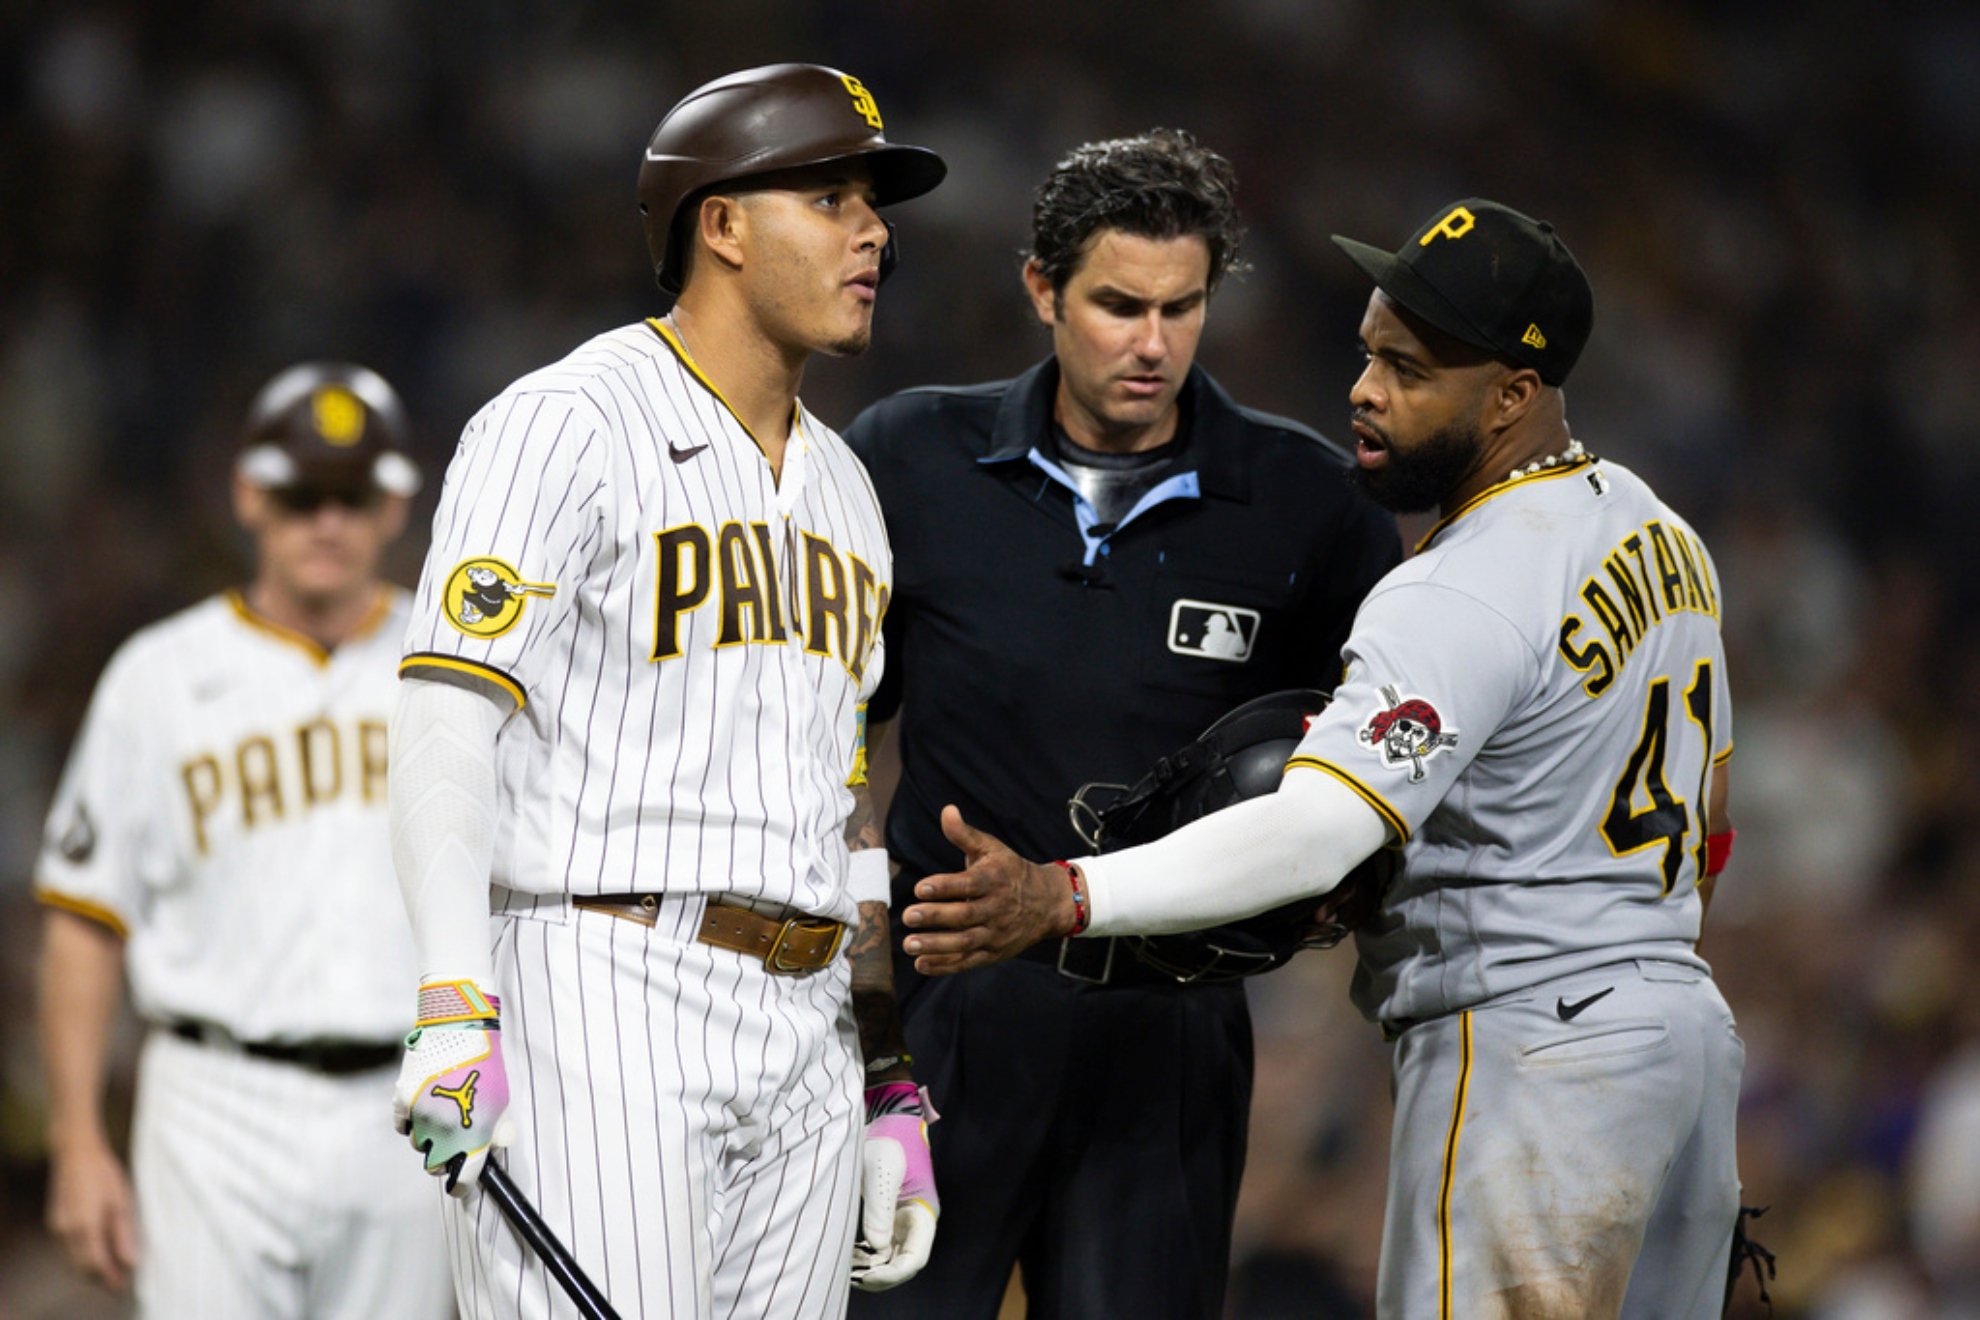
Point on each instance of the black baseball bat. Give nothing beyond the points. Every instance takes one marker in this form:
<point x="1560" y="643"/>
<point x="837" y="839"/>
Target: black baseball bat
<point x="515" y="1208"/>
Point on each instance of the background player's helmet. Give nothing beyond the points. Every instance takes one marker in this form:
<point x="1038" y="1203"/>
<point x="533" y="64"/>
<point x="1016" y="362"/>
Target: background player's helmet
<point x="777" y="117"/>
<point x="328" y="425"/>
<point x="1242" y="756"/>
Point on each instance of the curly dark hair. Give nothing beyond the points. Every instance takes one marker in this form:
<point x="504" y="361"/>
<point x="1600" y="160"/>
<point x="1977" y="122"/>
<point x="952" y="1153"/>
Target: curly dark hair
<point x="1159" y="184"/>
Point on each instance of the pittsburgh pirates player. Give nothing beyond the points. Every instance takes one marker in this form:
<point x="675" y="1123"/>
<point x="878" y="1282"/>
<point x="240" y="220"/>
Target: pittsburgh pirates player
<point x="632" y="724"/>
<point x="220" y="836"/>
<point x="1535" y="709"/>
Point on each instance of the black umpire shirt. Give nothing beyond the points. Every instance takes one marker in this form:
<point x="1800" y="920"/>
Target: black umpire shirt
<point x="1038" y="650"/>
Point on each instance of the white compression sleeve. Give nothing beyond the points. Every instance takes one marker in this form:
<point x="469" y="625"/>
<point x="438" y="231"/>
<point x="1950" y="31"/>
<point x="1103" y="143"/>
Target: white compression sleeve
<point x="1236" y="862"/>
<point x="442" y="793"/>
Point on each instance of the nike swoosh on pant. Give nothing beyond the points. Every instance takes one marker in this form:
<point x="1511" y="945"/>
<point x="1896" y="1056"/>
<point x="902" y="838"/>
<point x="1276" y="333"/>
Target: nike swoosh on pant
<point x="1569" y="1012"/>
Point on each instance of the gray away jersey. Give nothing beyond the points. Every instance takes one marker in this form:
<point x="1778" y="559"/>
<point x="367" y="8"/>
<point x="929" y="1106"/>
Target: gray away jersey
<point x="688" y="642"/>
<point x="1533" y="704"/>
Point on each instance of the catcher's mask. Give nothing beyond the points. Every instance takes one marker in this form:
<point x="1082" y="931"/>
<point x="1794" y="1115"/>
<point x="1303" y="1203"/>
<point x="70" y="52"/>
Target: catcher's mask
<point x="1242" y="756"/>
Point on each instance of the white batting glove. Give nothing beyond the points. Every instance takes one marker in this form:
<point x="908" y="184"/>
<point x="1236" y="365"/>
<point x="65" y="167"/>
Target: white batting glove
<point x="453" y="1092"/>
<point x="898" y="1202"/>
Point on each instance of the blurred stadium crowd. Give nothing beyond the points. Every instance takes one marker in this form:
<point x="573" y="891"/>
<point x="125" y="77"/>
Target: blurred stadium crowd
<point x="1776" y="206"/>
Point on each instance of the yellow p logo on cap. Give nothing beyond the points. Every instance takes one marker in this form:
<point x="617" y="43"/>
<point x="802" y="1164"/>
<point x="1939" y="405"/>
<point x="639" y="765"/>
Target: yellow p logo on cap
<point x="1455" y="225"/>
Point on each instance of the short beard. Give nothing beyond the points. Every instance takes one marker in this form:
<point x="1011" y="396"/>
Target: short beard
<point x="1418" y="480"/>
<point x="852" y="345"/>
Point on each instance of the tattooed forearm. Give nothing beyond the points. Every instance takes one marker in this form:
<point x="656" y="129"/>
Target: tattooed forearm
<point x="863" y="824"/>
<point x="874" y="1006"/>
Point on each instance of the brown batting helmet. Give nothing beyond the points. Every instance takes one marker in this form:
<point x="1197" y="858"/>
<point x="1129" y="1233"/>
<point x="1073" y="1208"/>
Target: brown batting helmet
<point x="328" y="425"/>
<point x="778" y="117"/>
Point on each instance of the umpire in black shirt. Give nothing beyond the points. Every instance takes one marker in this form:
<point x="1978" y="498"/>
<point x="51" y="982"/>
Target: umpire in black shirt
<point x="1092" y="563"/>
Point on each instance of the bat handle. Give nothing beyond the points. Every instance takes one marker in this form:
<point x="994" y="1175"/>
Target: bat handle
<point x="515" y="1208"/>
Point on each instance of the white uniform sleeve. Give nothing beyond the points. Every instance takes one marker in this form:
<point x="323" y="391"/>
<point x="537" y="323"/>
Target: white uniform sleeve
<point x="442" y="791"/>
<point x="92" y="856"/>
<point x="1431" y="674"/>
<point x="1236" y="862"/>
<point x="519" y="517"/>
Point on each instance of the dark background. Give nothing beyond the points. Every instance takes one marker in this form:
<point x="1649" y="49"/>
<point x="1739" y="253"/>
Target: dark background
<point x="1776" y="204"/>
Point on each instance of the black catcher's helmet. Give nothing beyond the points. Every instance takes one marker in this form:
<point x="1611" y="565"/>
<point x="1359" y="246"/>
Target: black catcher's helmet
<point x="1242" y="756"/>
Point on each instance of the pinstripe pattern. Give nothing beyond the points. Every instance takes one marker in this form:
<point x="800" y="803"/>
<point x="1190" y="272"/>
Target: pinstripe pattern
<point x="250" y="1210"/>
<point x="720" y="770"/>
<point x="233" y="777"/>
<point x="689" y="1123"/>
<point x="690" y="1128"/>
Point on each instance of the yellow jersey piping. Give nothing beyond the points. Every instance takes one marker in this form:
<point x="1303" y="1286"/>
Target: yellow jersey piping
<point x="1392" y="817"/>
<point x="260" y="623"/>
<point x="1450" y="1169"/>
<point x="1493" y="492"/>
<point x="82" y="907"/>
<point x="673" y="341"/>
<point x="381" y="609"/>
<point x="487" y="673"/>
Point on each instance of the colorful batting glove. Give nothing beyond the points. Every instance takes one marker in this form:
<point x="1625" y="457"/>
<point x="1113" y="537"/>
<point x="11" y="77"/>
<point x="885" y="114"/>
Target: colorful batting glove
<point x="453" y="1092"/>
<point x="898" y="1203"/>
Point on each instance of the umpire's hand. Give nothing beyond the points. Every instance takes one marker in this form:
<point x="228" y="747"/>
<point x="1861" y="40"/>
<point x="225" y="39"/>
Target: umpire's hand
<point x="997" y="907"/>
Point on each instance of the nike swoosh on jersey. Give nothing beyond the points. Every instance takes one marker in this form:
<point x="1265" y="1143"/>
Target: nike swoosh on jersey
<point x="683" y="455"/>
<point x="1569" y="1012"/>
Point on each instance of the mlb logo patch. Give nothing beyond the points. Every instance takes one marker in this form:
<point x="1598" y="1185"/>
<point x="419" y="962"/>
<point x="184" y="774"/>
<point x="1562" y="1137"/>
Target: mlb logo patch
<point x="1215" y="632"/>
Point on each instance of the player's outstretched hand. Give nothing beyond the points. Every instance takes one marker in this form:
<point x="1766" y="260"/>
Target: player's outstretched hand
<point x="89" y="1210"/>
<point x="898" y="1205"/>
<point x="998" y="906"/>
<point x="453" y="1092"/>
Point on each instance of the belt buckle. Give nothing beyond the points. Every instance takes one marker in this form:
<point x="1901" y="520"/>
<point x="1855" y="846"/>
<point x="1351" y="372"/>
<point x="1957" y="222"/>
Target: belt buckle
<point x="774" y="959"/>
<point x="1106" y="968"/>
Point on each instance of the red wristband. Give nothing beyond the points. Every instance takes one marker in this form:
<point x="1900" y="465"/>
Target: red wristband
<point x="1080" y="914"/>
<point x="1718" y="849"/>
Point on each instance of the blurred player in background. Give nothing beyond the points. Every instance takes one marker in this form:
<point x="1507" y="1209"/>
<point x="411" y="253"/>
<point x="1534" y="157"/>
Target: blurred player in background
<point x="634" y="701"/>
<point x="220" y="838"/>
<point x="1094" y="561"/>
<point x="1535" y="710"/>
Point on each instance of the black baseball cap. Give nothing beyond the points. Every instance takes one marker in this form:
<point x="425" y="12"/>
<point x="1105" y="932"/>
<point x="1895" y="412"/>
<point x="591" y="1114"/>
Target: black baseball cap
<point x="1493" y="278"/>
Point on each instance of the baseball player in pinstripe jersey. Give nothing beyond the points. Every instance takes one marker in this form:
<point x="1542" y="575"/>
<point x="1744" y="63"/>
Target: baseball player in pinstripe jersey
<point x="1535" y="711"/>
<point x="220" y="838"/>
<point x="631" y="728"/>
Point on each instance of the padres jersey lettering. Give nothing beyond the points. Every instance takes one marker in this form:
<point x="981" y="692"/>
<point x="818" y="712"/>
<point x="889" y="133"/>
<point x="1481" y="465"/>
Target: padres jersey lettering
<point x="737" y="571"/>
<point x="686" y="637"/>
<point x="265" y="776"/>
<point x="1482" y="671"/>
<point x="230" y="772"/>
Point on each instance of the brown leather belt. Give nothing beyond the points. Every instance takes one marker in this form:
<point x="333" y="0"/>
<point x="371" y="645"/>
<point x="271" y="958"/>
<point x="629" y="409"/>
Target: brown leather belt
<point x="787" y="947"/>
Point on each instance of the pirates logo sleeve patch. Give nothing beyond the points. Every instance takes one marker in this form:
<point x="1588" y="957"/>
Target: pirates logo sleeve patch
<point x="1406" y="732"/>
<point x="484" y="597"/>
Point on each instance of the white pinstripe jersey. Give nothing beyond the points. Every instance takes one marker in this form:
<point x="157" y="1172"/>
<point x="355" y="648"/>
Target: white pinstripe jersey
<point x="1534" y="702"/>
<point x="224" y="807"/>
<point x="689" y="640"/>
